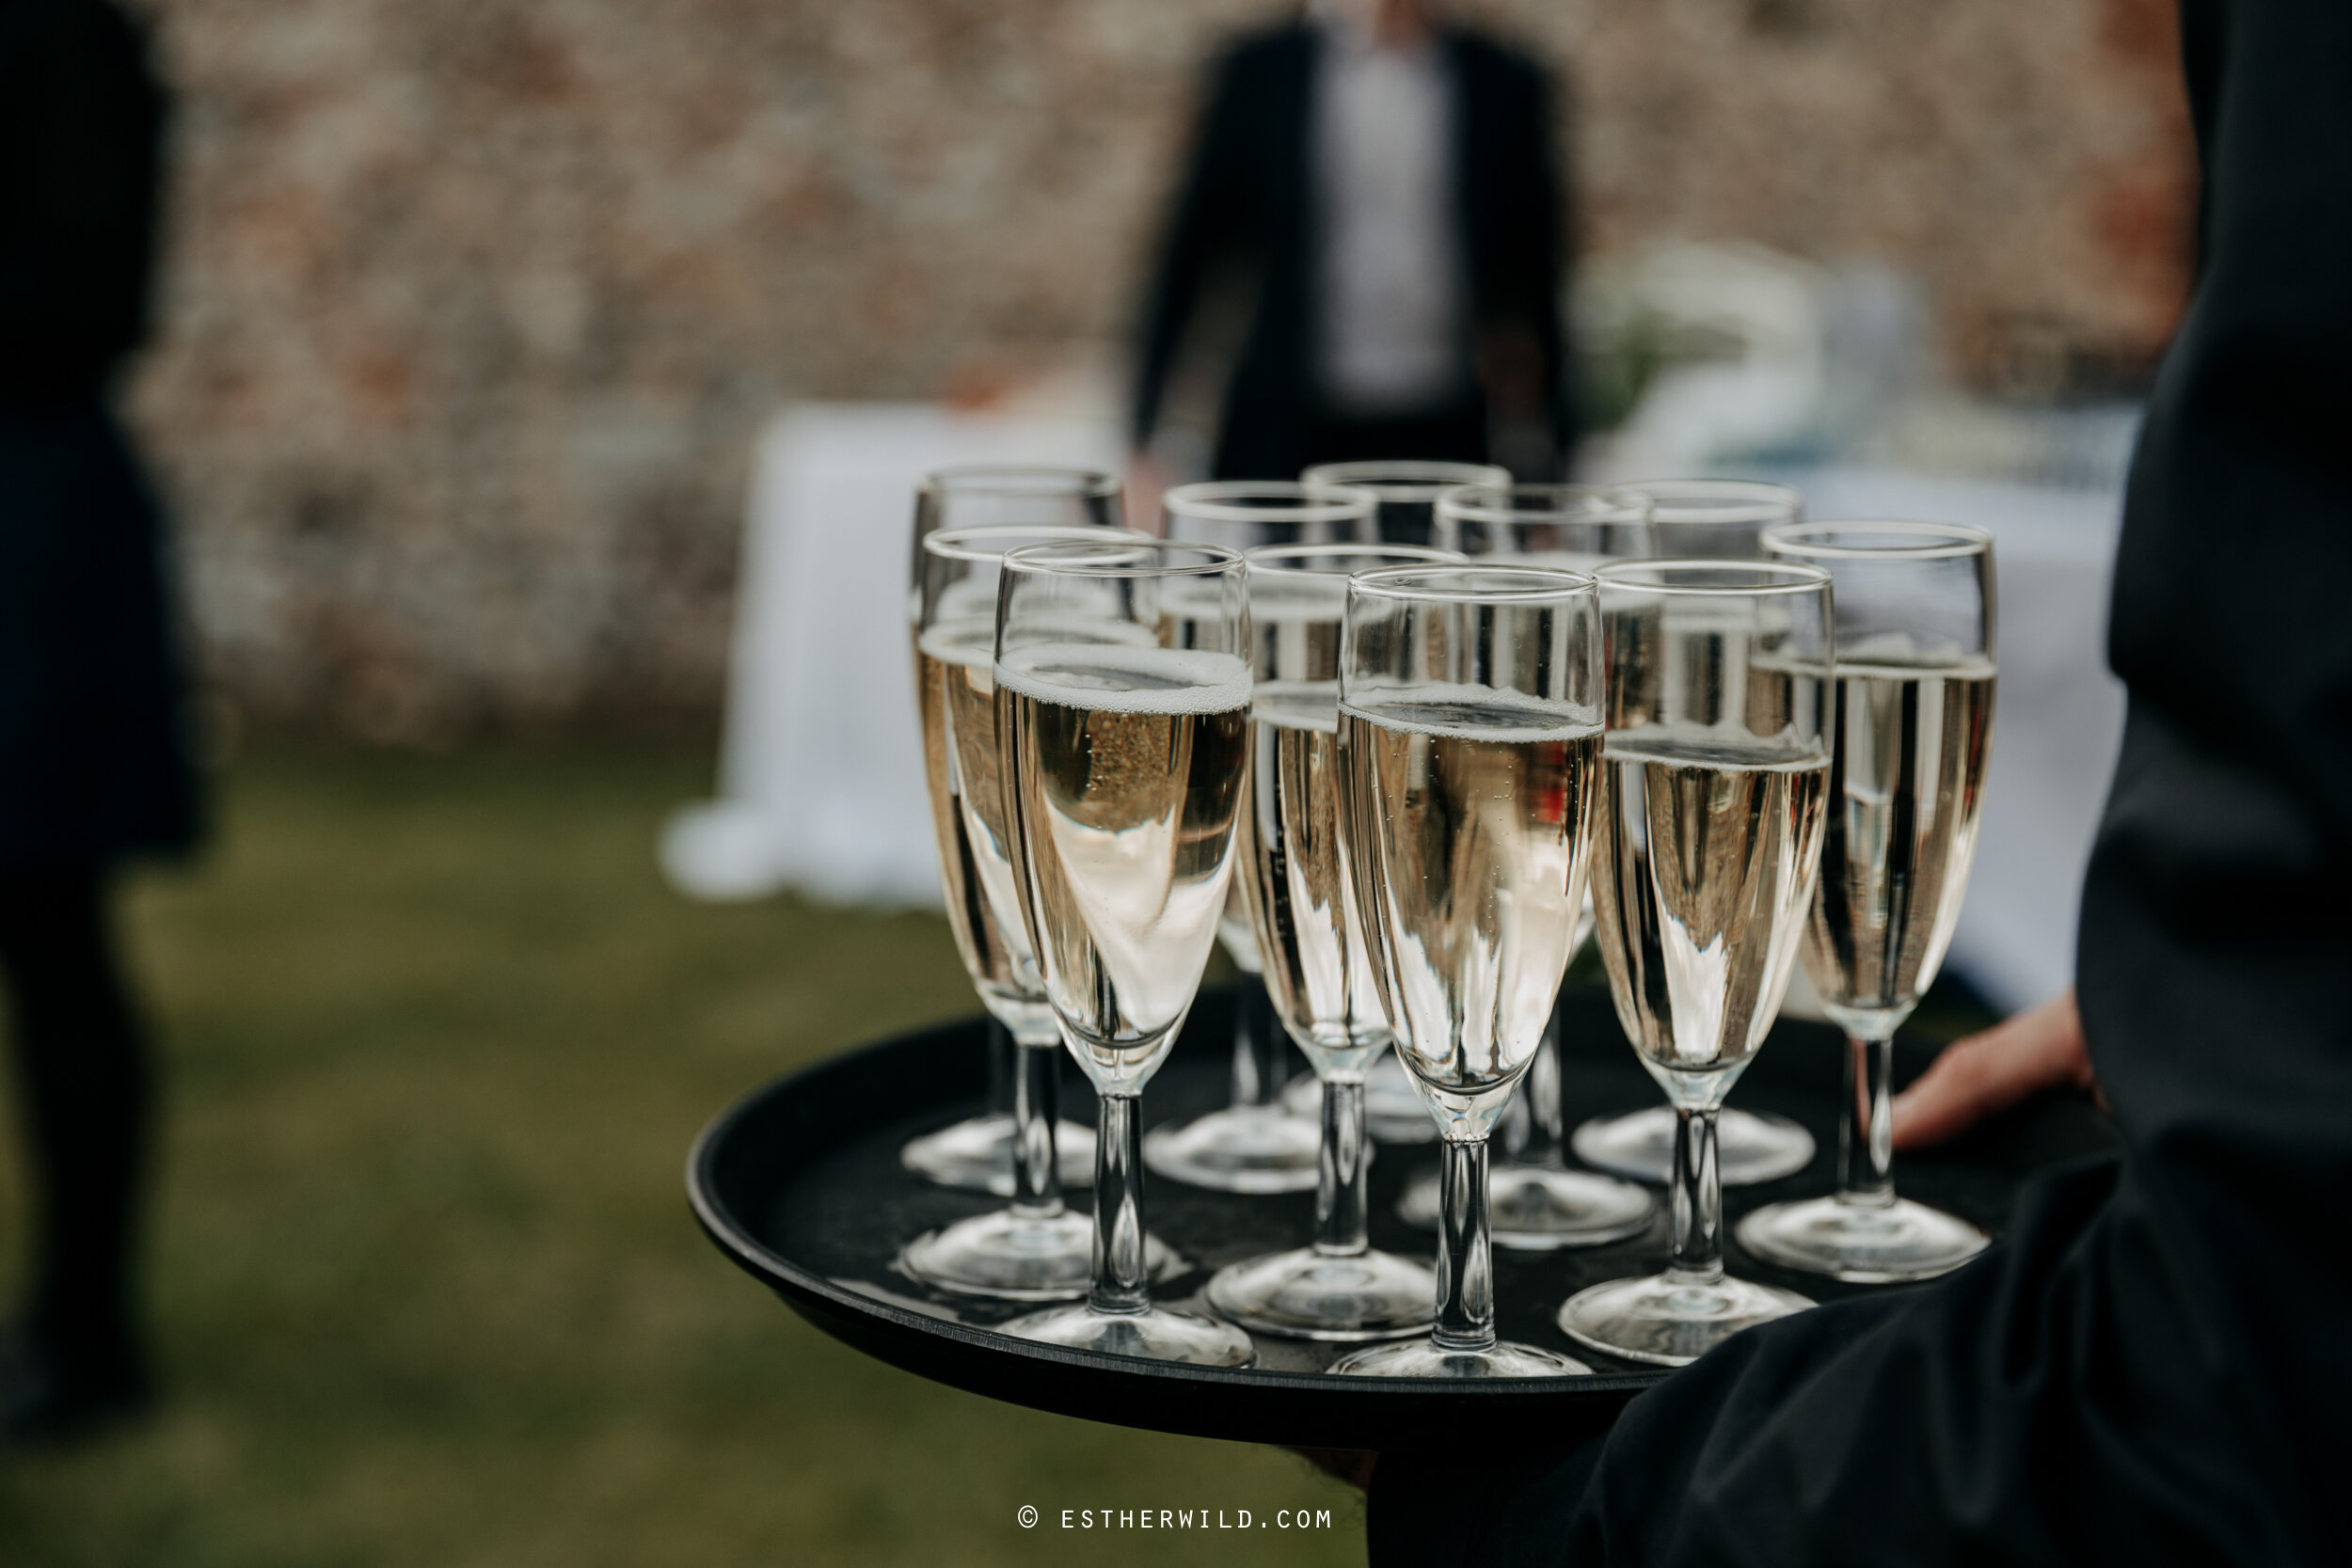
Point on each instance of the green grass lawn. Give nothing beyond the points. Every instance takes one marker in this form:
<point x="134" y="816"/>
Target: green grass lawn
<point x="424" y="1283"/>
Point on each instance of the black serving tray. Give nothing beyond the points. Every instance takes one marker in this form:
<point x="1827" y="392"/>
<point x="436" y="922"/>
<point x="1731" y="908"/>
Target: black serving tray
<point x="799" y="1184"/>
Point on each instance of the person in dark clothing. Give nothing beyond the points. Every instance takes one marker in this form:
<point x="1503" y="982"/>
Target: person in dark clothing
<point x="1388" y="187"/>
<point x="2155" y="1365"/>
<point x="94" y="762"/>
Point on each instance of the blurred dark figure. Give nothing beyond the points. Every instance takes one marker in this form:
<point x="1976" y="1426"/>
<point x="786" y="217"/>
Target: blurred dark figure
<point x="93" y="765"/>
<point x="1386" y="182"/>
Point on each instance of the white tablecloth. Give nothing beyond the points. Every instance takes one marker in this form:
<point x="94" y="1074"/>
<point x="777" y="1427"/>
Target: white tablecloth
<point x="820" y="776"/>
<point x="821" y="781"/>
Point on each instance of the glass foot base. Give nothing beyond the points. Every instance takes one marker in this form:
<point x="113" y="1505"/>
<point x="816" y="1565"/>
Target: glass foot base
<point x="1537" y="1209"/>
<point x="1393" y="1111"/>
<point x="1427" y="1358"/>
<point x="1253" y="1149"/>
<point x="1862" y="1244"/>
<point x="1155" y="1334"/>
<point x="1306" y="1294"/>
<point x="1668" y="1322"/>
<point x="1752" y="1146"/>
<point x="976" y="1155"/>
<point x="1011" y="1256"/>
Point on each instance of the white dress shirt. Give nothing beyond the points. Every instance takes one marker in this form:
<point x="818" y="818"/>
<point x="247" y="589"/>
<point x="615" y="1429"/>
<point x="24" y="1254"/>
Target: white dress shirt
<point x="1390" y="303"/>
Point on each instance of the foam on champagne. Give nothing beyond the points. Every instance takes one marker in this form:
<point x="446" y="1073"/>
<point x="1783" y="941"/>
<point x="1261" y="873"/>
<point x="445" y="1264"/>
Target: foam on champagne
<point x="1469" y="713"/>
<point x="1973" y="667"/>
<point x="1690" y="746"/>
<point x="1106" y="679"/>
<point x="966" y="646"/>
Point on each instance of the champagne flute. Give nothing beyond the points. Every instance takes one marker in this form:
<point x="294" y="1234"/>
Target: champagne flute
<point x="1253" y="1145"/>
<point x="1707" y="843"/>
<point x="1469" y="739"/>
<point x="978" y="1153"/>
<point x="1913" y="725"/>
<point x="1537" y="1202"/>
<point x="1122" y="700"/>
<point x="1034" y="1249"/>
<point x="1691" y="519"/>
<point x="1317" y="969"/>
<point x="1408" y="489"/>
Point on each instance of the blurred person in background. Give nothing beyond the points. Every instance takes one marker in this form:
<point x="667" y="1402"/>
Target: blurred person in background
<point x="1386" y="184"/>
<point x="93" y="760"/>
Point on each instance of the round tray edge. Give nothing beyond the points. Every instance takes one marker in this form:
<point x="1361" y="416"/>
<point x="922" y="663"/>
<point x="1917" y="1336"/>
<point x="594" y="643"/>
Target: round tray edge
<point x="1281" y="1407"/>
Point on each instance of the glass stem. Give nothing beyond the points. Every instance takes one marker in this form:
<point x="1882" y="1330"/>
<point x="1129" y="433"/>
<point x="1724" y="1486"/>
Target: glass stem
<point x="1036" y="1110"/>
<point x="1341" y="1200"/>
<point x="1000" y="1068"/>
<point x="1257" y="1046"/>
<point x="1466" y="1268"/>
<point x="1118" y="1283"/>
<point x="1866" y="1135"/>
<point x="1699" y="1199"/>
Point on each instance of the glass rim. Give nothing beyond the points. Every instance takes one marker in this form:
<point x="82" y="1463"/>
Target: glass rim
<point x="1724" y="500"/>
<point x="948" y="542"/>
<point x="1019" y="479"/>
<point x="1936" y="541"/>
<point x="1405" y="478"/>
<point x="1405" y="556"/>
<point x="1543" y="584"/>
<point x="1476" y="503"/>
<point x="1289" y="501"/>
<point x="1780" y="576"/>
<point x="1224" y="559"/>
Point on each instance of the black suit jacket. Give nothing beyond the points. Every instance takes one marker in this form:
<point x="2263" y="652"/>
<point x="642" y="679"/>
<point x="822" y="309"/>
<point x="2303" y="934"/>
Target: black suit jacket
<point x="1245" y="199"/>
<point x="2155" y="1366"/>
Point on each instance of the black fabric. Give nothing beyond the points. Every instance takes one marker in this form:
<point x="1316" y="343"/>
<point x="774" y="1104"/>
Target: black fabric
<point x="82" y="1065"/>
<point x="1244" y="206"/>
<point x="93" y="750"/>
<point x="81" y="122"/>
<point x="1456" y="435"/>
<point x="2154" y="1367"/>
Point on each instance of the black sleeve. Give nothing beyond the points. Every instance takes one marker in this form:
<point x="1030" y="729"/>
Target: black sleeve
<point x="1206" y="222"/>
<point x="81" y="119"/>
<point x="1527" y="221"/>
<point x="1554" y="245"/>
<point x="2155" y="1365"/>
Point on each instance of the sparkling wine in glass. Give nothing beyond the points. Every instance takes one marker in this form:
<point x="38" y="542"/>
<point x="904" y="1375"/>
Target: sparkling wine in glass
<point x="1470" y="734"/>
<point x="1122" y="689"/>
<point x="1408" y="491"/>
<point x="1294" y="867"/>
<point x="1707" y="843"/>
<point x="1913" y="725"/>
<point x="1034" y="1249"/>
<point x="1711" y="518"/>
<point x="1253" y="1145"/>
<point x="978" y="1153"/>
<point x="1539" y="1202"/>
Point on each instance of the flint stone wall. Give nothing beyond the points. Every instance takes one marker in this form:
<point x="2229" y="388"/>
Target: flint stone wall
<point x="474" y="306"/>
